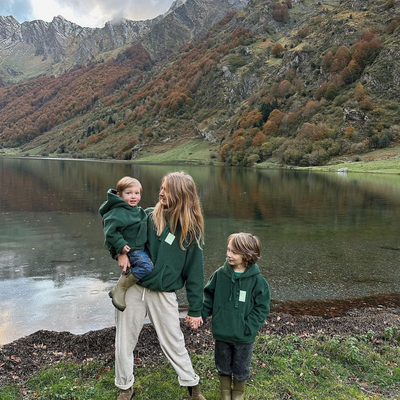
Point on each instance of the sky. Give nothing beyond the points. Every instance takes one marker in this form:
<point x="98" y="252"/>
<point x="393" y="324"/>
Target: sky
<point x="86" y="13"/>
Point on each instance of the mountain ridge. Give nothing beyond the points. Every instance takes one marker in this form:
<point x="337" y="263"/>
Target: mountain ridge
<point x="60" y="45"/>
<point x="300" y="83"/>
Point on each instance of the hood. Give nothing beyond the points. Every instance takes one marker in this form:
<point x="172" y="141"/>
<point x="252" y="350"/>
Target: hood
<point x="251" y="270"/>
<point x="113" y="201"/>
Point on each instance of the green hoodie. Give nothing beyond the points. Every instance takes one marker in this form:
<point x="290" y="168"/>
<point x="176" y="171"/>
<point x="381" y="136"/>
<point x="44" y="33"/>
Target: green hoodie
<point x="174" y="267"/>
<point x="122" y="224"/>
<point x="238" y="304"/>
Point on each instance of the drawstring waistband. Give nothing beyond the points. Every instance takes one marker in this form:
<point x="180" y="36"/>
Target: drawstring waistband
<point x="144" y="290"/>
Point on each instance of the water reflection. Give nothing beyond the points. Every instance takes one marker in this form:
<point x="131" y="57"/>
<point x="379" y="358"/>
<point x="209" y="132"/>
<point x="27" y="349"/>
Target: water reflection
<point x="324" y="235"/>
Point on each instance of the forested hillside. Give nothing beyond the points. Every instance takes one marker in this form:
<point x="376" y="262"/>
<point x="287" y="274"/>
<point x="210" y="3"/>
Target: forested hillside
<point x="296" y="81"/>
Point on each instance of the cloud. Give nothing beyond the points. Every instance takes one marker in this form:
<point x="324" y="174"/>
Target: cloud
<point x="91" y="13"/>
<point x="108" y="10"/>
<point x="21" y="10"/>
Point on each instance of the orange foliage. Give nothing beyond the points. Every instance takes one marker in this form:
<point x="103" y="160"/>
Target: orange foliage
<point x="276" y="116"/>
<point x="270" y="128"/>
<point x="312" y="132"/>
<point x="44" y="102"/>
<point x="341" y="59"/>
<point x="310" y="109"/>
<point x="284" y="88"/>
<point x="303" y="32"/>
<point x="93" y="139"/>
<point x="349" y="130"/>
<point x="359" y="91"/>
<point x="280" y="12"/>
<point x="327" y="61"/>
<point x="250" y="118"/>
<point x="366" y="104"/>
<point x="366" y="49"/>
<point x="278" y="50"/>
<point x="259" y="139"/>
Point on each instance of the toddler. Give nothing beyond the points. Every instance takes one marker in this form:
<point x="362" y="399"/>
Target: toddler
<point x="125" y="231"/>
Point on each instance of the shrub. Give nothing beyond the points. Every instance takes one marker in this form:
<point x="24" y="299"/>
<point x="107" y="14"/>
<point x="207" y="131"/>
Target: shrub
<point x="366" y="104"/>
<point x="359" y="92"/>
<point x="303" y="32"/>
<point x="341" y="59"/>
<point x="277" y="51"/>
<point x="280" y="12"/>
<point x="392" y="26"/>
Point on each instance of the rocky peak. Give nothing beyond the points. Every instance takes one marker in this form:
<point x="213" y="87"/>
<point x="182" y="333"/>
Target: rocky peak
<point x="9" y="26"/>
<point x="63" y="44"/>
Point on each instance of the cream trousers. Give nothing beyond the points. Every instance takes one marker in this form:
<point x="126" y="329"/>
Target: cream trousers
<point x="162" y="310"/>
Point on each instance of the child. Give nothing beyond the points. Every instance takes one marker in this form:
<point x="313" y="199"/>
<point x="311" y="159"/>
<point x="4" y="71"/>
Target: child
<point x="125" y="231"/>
<point x="238" y="298"/>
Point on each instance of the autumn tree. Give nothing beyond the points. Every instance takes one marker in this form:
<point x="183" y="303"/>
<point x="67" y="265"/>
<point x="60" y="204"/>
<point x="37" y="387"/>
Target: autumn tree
<point x="280" y="12"/>
<point x="310" y="109"/>
<point x="359" y="92"/>
<point x="366" y="49"/>
<point x="341" y="59"/>
<point x="327" y="61"/>
<point x="349" y="131"/>
<point x="303" y="32"/>
<point x="366" y="104"/>
<point x="259" y="139"/>
<point x="284" y="88"/>
<point x="277" y="51"/>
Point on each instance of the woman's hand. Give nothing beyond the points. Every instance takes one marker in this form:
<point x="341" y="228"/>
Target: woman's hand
<point x="194" y="322"/>
<point x="123" y="262"/>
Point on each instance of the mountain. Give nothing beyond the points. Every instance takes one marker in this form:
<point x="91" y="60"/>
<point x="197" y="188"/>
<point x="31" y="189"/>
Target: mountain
<point x="298" y="82"/>
<point x="39" y="48"/>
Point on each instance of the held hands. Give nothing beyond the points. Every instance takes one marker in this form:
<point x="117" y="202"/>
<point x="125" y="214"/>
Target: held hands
<point x="194" y="322"/>
<point x="123" y="262"/>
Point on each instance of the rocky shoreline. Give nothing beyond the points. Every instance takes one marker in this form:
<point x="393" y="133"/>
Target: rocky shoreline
<point x="24" y="357"/>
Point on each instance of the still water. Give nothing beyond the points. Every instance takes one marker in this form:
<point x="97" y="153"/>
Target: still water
<point x="324" y="235"/>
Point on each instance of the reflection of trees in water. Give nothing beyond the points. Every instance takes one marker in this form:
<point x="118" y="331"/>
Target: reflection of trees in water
<point x="68" y="186"/>
<point x="267" y="194"/>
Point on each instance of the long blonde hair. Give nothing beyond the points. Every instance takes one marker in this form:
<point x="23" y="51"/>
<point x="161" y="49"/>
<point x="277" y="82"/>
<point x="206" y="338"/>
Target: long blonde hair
<point x="183" y="209"/>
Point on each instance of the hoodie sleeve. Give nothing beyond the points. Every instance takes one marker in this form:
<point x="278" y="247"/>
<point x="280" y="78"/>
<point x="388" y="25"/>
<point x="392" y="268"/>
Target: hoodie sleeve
<point x="112" y="231"/>
<point x="260" y="311"/>
<point x="208" y="297"/>
<point x="193" y="274"/>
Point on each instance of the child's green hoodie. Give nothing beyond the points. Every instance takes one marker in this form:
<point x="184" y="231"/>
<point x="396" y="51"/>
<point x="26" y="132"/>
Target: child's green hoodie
<point x="238" y="304"/>
<point x="122" y="224"/>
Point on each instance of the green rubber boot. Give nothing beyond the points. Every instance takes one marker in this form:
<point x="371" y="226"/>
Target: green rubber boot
<point x="225" y="387"/>
<point x="117" y="293"/>
<point x="238" y="389"/>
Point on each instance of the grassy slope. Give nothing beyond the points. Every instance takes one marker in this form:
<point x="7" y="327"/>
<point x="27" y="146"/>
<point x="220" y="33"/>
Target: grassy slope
<point x="383" y="161"/>
<point x="199" y="151"/>
<point x="329" y="368"/>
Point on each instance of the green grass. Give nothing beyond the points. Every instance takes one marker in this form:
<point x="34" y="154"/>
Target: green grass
<point x="383" y="161"/>
<point x="378" y="166"/>
<point x="310" y="368"/>
<point x="197" y="151"/>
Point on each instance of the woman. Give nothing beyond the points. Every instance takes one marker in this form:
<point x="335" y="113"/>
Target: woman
<point x="174" y="243"/>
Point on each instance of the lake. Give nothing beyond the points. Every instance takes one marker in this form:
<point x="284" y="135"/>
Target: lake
<point x="324" y="235"/>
